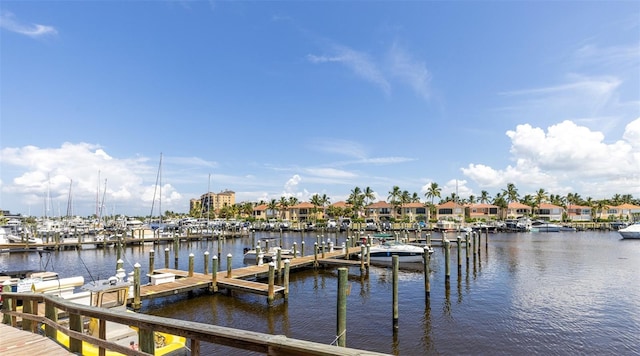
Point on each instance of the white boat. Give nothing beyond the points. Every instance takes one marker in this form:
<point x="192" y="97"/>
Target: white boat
<point x="543" y="226"/>
<point x="269" y="253"/>
<point x="113" y="294"/>
<point x="631" y="231"/>
<point x="384" y="252"/>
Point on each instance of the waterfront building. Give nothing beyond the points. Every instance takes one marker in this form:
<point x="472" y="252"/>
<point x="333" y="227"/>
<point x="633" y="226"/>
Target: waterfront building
<point x="624" y="212"/>
<point x="482" y="211"/>
<point x="579" y="213"/>
<point x="517" y="209"/>
<point x="548" y="212"/>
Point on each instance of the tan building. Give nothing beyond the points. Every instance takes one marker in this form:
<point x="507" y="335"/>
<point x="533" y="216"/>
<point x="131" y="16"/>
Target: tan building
<point x="216" y="201"/>
<point x="579" y="213"/>
<point x="517" y="210"/>
<point x="450" y="211"/>
<point x="624" y="212"/>
<point x="481" y="211"/>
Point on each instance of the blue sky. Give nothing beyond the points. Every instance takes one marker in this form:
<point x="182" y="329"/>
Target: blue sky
<point x="280" y="98"/>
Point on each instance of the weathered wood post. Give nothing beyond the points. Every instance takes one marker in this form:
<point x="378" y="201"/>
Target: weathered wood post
<point x="315" y="254"/>
<point x="152" y="261"/>
<point x="7" y="304"/>
<point x="271" y="288"/>
<point x="136" y="286"/>
<point x="323" y="246"/>
<point x="427" y="272"/>
<point x="51" y="314"/>
<point x="206" y="263"/>
<point x="258" y="254"/>
<point x="176" y="247"/>
<point x="27" y="309"/>
<point x="368" y="255"/>
<point x="191" y="262"/>
<point x="295" y="248"/>
<point x="278" y="260"/>
<point x="395" y="261"/>
<point x="147" y="343"/>
<point x="253" y="237"/>
<point x="219" y="247"/>
<point x="468" y="245"/>
<point x="119" y="264"/>
<point x="341" y="330"/>
<point x="75" y="324"/>
<point x="229" y="266"/>
<point x="287" y="267"/>
<point x="459" y="239"/>
<point x="447" y="262"/>
<point x="214" y="273"/>
<point x="166" y="258"/>
<point x="302" y="248"/>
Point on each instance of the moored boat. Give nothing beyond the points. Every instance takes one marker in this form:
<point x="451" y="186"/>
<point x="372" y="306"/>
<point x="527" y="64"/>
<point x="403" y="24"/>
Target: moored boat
<point x="113" y="294"/>
<point x="631" y="231"/>
<point x="406" y="253"/>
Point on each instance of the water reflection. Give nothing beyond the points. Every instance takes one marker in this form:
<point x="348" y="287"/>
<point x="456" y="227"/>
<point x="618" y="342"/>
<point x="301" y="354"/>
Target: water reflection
<point x="576" y="293"/>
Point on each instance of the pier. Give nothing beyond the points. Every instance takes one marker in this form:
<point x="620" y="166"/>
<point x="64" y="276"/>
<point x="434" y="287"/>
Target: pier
<point x="242" y="279"/>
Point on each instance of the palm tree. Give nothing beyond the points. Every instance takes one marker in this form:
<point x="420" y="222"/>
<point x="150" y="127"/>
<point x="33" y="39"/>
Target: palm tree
<point x="484" y="197"/>
<point x="284" y="204"/>
<point x="356" y="199"/>
<point x="316" y="201"/>
<point x="273" y="206"/>
<point x="368" y="197"/>
<point x="502" y="203"/>
<point x="541" y="197"/>
<point x="394" y="198"/>
<point x="433" y="192"/>
<point x="511" y="193"/>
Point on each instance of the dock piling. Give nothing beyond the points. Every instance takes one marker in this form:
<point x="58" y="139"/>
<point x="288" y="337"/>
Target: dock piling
<point x="166" y="257"/>
<point x="136" y="286"/>
<point x="396" y="265"/>
<point x="229" y="256"/>
<point x="341" y="330"/>
<point x="191" y="261"/>
<point x="214" y="273"/>
<point x="206" y="262"/>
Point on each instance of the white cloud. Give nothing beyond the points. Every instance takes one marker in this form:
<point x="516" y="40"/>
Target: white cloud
<point x="86" y="169"/>
<point x="410" y="71"/>
<point x="291" y="185"/>
<point x="358" y="62"/>
<point x="567" y="157"/>
<point x="330" y="173"/>
<point x="8" y="22"/>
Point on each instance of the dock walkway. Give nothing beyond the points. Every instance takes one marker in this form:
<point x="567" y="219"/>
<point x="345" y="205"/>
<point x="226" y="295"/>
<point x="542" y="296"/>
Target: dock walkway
<point x="16" y="342"/>
<point x="242" y="279"/>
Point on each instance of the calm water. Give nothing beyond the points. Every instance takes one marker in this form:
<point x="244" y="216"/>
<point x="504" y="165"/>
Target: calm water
<point x="528" y="293"/>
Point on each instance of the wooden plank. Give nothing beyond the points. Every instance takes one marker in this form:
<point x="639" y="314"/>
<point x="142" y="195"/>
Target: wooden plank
<point x="16" y="342"/>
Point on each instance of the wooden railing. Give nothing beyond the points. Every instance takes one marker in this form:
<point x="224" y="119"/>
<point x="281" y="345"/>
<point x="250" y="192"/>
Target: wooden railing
<point x="148" y="324"/>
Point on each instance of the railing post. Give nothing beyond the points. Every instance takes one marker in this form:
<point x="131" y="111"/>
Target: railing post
<point x="51" y="314"/>
<point x="27" y="309"/>
<point x="147" y="343"/>
<point x="75" y="324"/>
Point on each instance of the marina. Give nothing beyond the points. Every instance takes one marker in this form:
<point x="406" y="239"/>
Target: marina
<point x="523" y="292"/>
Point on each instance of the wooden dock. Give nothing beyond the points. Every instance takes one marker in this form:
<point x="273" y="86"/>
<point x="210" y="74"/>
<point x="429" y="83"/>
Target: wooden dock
<point x="244" y="279"/>
<point x="16" y="342"/>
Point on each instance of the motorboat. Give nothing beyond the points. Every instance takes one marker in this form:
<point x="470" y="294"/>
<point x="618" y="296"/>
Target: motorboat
<point x="630" y="232"/>
<point x="543" y="226"/>
<point x="269" y="253"/>
<point x="113" y="294"/>
<point x="385" y="251"/>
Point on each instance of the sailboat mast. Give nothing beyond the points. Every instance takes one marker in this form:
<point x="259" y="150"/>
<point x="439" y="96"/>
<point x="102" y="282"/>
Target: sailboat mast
<point x="69" y="202"/>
